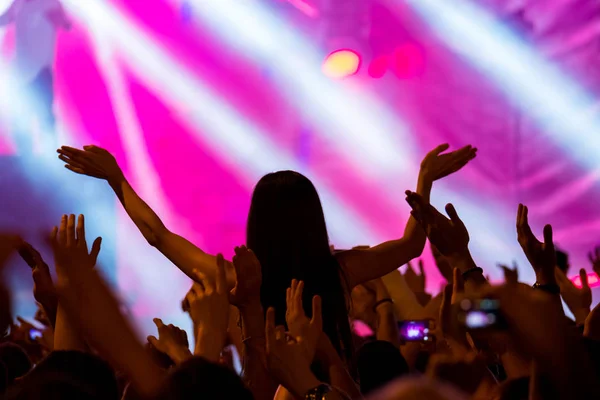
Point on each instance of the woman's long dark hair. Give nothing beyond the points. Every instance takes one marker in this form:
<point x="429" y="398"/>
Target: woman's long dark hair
<point x="287" y="232"/>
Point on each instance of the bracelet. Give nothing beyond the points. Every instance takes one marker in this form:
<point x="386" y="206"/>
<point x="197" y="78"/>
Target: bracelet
<point x="380" y="302"/>
<point x="551" y="288"/>
<point x="318" y="393"/>
<point x="470" y="271"/>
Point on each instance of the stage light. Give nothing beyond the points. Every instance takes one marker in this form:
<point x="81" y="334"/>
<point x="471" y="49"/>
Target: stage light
<point x="342" y="63"/>
<point x="379" y="67"/>
<point x="409" y="61"/>
<point x="559" y="105"/>
<point x="593" y="280"/>
<point x="342" y="118"/>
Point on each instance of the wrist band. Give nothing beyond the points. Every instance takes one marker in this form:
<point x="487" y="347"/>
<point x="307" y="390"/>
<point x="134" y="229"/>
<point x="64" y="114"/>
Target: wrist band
<point x="380" y="302"/>
<point x="551" y="288"/>
<point x="318" y="393"/>
<point x="470" y="271"/>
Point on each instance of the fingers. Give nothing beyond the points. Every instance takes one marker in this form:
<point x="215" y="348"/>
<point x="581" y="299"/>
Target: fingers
<point x="54" y="237"/>
<point x="77" y="170"/>
<point x="80" y="230"/>
<point x="185" y="303"/>
<point x="510" y="275"/>
<point x="414" y="199"/>
<point x="96" y="246"/>
<point x="189" y="299"/>
<point x="280" y="333"/>
<point x="71" y="152"/>
<point x="270" y="327"/>
<point x="70" y="234"/>
<point x="438" y="150"/>
<point x="201" y="284"/>
<point x="159" y="324"/>
<point x="294" y="288"/>
<point x="153" y="341"/>
<point x="584" y="278"/>
<point x="62" y="231"/>
<point x="298" y="296"/>
<point x="23" y="322"/>
<point x="70" y="161"/>
<point x="548" y="237"/>
<point x="317" y="311"/>
<point x="94" y="149"/>
<point x="453" y="215"/>
<point x="421" y="268"/>
<point x="221" y="282"/>
<point x="288" y="298"/>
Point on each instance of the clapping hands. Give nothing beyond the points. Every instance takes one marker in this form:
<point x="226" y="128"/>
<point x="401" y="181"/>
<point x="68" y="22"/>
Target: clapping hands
<point x="449" y="236"/>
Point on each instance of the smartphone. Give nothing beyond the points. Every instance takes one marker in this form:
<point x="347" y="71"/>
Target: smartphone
<point x="416" y="330"/>
<point x="35" y="334"/>
<point x="481" y="314"/>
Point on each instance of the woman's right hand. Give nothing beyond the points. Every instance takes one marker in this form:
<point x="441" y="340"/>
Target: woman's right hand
<point x="91" y="161"/>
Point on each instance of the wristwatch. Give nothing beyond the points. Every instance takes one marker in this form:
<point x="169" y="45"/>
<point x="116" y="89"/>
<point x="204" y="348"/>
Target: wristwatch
<point x="551" y="288"/>
<point x="318" y="393"/>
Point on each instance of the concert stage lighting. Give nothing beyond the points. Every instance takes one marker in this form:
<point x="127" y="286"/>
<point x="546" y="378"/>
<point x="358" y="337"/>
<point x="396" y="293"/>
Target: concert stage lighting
<point x="341" y="63"/>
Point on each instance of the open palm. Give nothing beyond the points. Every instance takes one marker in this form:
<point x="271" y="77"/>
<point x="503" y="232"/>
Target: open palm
<point x="92" y="161"/>
<point x="436" y="165"/>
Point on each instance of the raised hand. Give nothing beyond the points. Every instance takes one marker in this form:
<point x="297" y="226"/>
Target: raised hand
<point x="171" y="341"/>
<point x="209" y="308"/>
<point x="93" y="161"/>
<point x="70" y="246"/>
<point x="415" y="282"/>
<point x="578" y="300"/>
<point x="43" y="287"/>
<point x="449" y="236"/>
<point x="249" y="278"/>
<point x="511" y="275"/>
<point x="436" y="165"/>
<point x="287" y="360"/>
<point x="297" y="321"/>
<point x="541" y="256"/>
<point x="594" y="257"/>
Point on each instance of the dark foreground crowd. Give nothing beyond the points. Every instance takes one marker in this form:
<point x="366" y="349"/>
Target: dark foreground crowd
<point x="289" y="304"/>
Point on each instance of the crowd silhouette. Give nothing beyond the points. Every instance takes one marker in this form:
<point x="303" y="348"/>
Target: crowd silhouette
<point x="289" y="304"/>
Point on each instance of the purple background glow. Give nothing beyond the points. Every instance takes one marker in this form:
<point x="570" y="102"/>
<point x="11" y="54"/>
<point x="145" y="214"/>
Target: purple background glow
<point x="439" y="96"/>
